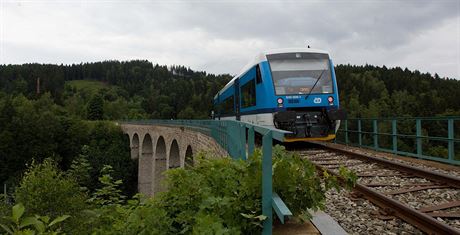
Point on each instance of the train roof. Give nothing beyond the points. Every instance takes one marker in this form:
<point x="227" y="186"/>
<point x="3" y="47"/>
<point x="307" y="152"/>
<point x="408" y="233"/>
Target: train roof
<point x="263" y="57"/>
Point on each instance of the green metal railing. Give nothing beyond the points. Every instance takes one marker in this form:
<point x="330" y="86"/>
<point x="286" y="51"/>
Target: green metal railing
<point x="430" y="138"/>
<point x="231" y="135"/>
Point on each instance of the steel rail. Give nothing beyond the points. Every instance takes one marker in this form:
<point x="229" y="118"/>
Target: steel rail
<point x="434" y="176"/>
<point x="412" y="216"/>
<point x="420" y="220"/>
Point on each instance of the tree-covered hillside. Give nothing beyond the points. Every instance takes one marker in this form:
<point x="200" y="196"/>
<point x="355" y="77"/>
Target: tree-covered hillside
<point x="54" y="111"/>
<point x="136" y="89"/>
<point x="370" y="91"/>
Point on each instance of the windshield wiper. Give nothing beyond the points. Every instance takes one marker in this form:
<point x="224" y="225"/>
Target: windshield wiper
<point x="313" y="87"/>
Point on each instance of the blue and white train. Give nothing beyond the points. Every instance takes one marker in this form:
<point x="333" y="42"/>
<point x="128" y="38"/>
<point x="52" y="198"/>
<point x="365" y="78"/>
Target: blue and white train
<point x="288" y="89"/>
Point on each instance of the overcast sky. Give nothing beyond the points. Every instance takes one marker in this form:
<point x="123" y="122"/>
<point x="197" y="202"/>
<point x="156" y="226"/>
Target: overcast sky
<point x="222" y="36"/>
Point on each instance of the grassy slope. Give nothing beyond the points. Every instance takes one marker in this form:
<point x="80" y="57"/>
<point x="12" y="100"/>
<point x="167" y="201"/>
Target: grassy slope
<point x="88" y="85"/>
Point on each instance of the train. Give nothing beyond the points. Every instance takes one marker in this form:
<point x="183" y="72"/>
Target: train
<point x="291" y="89"/>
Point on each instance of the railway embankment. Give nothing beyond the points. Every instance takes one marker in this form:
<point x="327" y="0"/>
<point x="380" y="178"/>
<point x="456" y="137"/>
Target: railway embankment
<point x="393" y="195"/>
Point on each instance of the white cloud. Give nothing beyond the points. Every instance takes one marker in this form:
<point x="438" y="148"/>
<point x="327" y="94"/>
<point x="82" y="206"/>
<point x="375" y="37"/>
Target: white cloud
<point x="221" y="36"/>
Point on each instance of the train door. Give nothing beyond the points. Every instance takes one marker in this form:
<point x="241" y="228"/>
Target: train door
<point x="237" y="99"/>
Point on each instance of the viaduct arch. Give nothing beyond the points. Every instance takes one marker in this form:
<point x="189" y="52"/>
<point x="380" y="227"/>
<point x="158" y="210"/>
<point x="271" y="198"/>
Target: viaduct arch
<point x="159" y="148"/>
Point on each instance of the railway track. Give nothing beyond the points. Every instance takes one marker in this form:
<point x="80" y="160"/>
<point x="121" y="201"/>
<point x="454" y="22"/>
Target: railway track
<point x="430" y="201"/>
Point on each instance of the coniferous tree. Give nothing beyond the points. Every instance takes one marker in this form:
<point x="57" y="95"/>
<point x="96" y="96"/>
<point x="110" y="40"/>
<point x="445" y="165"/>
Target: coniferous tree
<point x="95" y="108"/>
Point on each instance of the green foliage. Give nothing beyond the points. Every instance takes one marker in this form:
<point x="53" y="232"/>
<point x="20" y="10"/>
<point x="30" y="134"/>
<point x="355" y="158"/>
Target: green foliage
<point x="209" y="225"/>
<point x="348" y="176"/>
<point x="296" y="182"/>
<point x="371" y="91"/>
<point x="112" y="216"/>
<point x="95" y="109"/>
<point x="18" y="225"/>
<point x="109" y="194"/>
<point x="87" y="86"/>
<point x="109" y="146"/>
<point x="80" y="169"/>
<point x="5" y="209"/>
<point x="216" y="196"/>
<point x="44" y="189"/>
<point x="299" y="185"/>
<point x="438" y="151"/>
<point x="136" y="217"/>
<point x="223" y="196"/>
<point x="29" y="132"/>
<point x="39" y="129"/>
<point x="221" y="189"/>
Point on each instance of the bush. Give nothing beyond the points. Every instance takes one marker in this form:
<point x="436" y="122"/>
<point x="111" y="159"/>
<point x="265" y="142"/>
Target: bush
<point x="4" y="208"/>
<point x="216" y="192"/>
<point x="17" y="224"/>
<point x="46" y="190"/>
<point x="297" y="182"/>
<point x="113" y="215"/>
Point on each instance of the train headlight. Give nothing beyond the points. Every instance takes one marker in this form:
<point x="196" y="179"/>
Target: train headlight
<point x="280" y="102"/>
<point x="330" y="99"/>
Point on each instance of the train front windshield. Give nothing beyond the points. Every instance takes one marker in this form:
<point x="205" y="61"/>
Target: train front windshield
<point x="298" y="76"/>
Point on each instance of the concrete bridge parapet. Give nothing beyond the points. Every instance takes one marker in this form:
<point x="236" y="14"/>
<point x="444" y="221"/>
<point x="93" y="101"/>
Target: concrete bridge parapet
<point x="159" y="148"/>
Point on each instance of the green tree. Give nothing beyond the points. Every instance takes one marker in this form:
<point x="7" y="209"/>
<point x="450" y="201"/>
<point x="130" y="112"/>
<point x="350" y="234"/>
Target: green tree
<point x="95" y="108"/>
<point x="109" y="193"/>
<point x="187" y="113"/>
<point x="80" y="170"/>
<point x="108" y="145"/>
<point x="45" y="189"/>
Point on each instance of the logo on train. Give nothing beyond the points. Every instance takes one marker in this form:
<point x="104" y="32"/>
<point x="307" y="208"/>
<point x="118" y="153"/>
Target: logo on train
<point x="317" y="100"/>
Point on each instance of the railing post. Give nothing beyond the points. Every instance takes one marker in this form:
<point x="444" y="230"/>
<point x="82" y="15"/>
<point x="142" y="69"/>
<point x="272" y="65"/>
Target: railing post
<point x="376" y="133"/>
<point x="267" y="189"/>
<point x="243" y="141"/>
<point x="251" y="141"/>
<point x="450" y="135"/>
<point x="418" y="136"/>
<point x="394" y="133"/>
<point x="232" y="143"/>
<point x="346" y="132"/>
<point x="360" y="135"/>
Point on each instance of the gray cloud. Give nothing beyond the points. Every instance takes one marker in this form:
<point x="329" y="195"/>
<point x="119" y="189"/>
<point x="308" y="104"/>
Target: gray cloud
<point x="220" y="36"/>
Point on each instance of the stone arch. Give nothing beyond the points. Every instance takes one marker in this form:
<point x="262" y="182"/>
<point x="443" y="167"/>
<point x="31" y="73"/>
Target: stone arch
<point x="174" y="156"/>
<point x="160" y="165"/>
<point x="189" y="162"/>
<point x="145" y="166"/>
<point x="135" y="146"/>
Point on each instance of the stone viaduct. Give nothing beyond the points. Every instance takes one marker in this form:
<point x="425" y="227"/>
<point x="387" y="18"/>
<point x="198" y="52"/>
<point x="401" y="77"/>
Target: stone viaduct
<point x="159" y="148"/>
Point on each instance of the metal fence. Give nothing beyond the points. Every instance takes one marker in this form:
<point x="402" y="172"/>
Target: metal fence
<point x="232" y="136"/>
<point x="430" y="138"/>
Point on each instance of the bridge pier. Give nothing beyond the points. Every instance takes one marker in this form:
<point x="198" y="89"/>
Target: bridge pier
<point x="159" y="166"/>
<point x="159" y="148"/>
<point x="145" y="166"/>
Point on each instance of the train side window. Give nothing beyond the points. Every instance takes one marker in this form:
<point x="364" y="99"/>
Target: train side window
<point x="258" y="75"/>
<point x="248" y="94"/>
<point x="218" y="109"/>
<point x="228" y="105"/>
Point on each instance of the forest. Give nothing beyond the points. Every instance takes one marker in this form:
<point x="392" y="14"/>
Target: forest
<point x="59" y="118"/>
